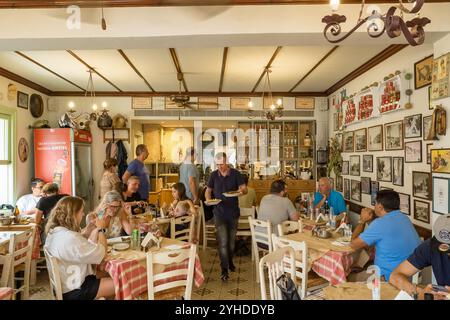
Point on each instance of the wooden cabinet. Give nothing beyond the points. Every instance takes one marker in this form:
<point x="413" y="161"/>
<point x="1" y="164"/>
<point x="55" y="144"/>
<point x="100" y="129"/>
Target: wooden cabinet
<point x="152" y="138"/>
<point x="295" y="188"/>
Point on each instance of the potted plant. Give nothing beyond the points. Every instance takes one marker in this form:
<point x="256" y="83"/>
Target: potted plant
<point x="335" y="157"/>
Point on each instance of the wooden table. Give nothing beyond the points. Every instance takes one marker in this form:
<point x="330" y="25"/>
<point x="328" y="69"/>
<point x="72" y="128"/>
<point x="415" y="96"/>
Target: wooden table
<point x="358" y="291"/>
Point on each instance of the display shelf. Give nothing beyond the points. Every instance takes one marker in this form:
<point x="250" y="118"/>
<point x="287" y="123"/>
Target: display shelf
<point x="116" y="134"/>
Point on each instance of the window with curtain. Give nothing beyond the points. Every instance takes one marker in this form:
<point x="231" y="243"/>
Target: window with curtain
<point x="6" y="165"/>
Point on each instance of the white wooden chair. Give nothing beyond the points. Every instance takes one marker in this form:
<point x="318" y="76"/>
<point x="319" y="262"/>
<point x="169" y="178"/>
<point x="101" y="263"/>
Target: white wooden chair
<point x="261" y="234"/>
<point x="20" y="249"/>
<point x="208" y="228"/>
<point x="162" y="212"/>
<point x="243" y="224"/>
<point x="199" y="220"/>
<point x="174" y="288"/>
<point x="186" y="233"/>
<point x="5" y="262"/>
<point x="54" y="276"/>
<point x="275" y="264"/>
<point x="287" y="227"/>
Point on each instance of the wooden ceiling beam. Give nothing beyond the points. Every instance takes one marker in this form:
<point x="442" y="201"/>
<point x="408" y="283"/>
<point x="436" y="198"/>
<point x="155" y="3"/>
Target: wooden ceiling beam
<point x="23" y="81"/>
<point x="135" y="69"/>
<point x="269" y="64"/>
<point x="176" y="62"/>
<point x="224" y="64"/>
<point x="73" y="54"/>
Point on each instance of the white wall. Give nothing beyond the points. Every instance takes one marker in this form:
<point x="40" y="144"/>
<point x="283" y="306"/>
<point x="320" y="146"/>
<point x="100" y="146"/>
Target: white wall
<point x="403" y="61"/>
<point x="24" y="170"/>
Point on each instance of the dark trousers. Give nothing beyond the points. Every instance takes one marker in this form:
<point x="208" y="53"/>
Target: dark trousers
<point x="226" y="237"/>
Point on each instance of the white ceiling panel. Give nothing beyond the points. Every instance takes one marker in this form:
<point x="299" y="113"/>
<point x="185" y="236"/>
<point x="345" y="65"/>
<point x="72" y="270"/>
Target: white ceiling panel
<point x="341" y="62"/>
<point x="113" y="67"/>
<point x="292" y="63"/>
<point x="201" y="67"/>
<point x="29" y="70"/>
<point x="156" y="66"/>
<point x="244" y="66"/>
<point x="64" y="64"/>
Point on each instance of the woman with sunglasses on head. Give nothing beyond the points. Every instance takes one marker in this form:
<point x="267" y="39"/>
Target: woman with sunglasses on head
<point x="111" y="205"/>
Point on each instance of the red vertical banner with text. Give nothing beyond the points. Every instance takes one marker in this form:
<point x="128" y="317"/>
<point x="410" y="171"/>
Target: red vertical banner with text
<point x="52" y="157"/>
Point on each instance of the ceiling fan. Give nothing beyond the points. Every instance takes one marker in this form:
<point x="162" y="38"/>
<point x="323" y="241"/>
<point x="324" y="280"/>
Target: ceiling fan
<point x="181" y="100"/>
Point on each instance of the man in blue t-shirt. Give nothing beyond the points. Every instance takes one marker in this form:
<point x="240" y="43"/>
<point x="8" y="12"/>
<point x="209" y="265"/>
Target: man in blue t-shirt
<point x="392" y="234"/>
<point x="189" y="175"/>
<point x="334" y="198"/>
<point x="434" y="252"/>
<point x="138" y="168"/>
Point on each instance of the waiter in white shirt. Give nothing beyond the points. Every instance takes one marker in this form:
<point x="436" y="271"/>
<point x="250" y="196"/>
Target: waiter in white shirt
<point x="27" y="203"/>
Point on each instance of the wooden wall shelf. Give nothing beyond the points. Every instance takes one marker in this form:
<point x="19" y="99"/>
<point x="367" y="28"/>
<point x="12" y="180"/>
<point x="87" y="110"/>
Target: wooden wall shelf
<point x="113" y="136"/>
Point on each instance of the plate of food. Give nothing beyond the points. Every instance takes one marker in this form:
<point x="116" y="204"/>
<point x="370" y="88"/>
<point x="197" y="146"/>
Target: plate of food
<point x="345" y="240"/>
<point x="213" y="202"/>
<point x="121" y="246"/>
<point x="231" y="194"/>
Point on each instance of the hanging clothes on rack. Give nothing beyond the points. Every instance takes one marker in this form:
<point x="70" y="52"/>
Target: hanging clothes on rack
<point x="117" y="150"/>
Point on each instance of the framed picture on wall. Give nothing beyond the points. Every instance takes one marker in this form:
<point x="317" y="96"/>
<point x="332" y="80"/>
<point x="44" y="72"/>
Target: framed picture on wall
<point x="441" y="195"/>
<point x="367" y="163"/>
<point x="405" y="203"/>
<point x="440" y="160"/>
<point x="22" y="100"/>
<point x="345" y="166"/>
<point x="141" y="102"/>
<point x="361" y="140"/>
<point x="413" y="126"/>
<point x="421" y="185"/>
<point x="375" y="138"/>
<point x="374" y="187"/>
<point x="426" y="127"/>
<point x="347" y="189"/>
<point x="397" y="171"/>
<point x="422" y="211"/>
<point x="322" y="157"/>
<point x="423" y="71"/>
<point x="393" y="133"/>
<point x="413" y="151"/>
<point x="356" y="190"/>
<point x="304" y="103"/>
<point x="430" y="104"/>
<point x="429" y="147"/>
<point x="239" y="103"/>
<point x="365" y="185"/>
<point x="336" y="121"/>
<point x="384" y="169"/>
<point x="440" y="83"/>
<point x="355" y="166"/>
<point x="205" y="103"/>
<point x="339" y="184"/>
<point x="347" y="140"/>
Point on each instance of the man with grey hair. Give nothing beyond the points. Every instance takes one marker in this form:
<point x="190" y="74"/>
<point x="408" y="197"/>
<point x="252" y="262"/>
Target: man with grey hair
<point x="325" y="193"/>
<point x="226" y="213"/>
<point x="138" y="168"/>
<point x="189" y="175"/>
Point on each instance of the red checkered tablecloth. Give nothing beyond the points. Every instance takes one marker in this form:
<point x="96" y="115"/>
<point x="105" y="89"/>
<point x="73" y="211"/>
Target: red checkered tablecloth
<point x="334" y="266"/>
<point x="130" y="276"/>
<point x="6" y="293"/>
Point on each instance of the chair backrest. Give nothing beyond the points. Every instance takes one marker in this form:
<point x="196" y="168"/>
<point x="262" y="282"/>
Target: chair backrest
<point x="5" y="261"/>
<point x="287" y="227"/>
<point x="162" y="212"/>
<point x="301" y="261"/>
<point x="276" y="266"/>
<point x="54" y="276"/>
<point x="187" y="232"/>
<point x="21" y="247"/>
<point x="261" y="233"/>
<point x="243" y="218"/>
<point x="182" y="276"/>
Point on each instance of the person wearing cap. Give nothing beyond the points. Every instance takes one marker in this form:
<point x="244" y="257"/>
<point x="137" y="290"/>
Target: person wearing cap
<point x="434" y="252"/>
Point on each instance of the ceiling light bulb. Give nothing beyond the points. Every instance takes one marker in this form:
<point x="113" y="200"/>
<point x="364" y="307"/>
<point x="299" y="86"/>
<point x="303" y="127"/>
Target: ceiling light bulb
<point x="250" y="104"/>
<point x="272" y="107"/>
<point x="279" y="102"/>
<point x="104" y="104"/>
<point x="334" y="4"/>
<point x="71" y="104"/>
<point x="94" y="107"/>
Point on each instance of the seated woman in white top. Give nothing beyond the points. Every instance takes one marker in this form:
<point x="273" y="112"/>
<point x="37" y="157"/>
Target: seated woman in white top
<point x="27" y="203"/>
<point x="75" y="253"/>
<point x="111" y="205"/>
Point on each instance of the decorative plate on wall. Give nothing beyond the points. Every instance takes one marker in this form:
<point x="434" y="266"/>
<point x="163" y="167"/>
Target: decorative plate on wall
<point x="36" y="105"/>
<point x="23" y="149"/>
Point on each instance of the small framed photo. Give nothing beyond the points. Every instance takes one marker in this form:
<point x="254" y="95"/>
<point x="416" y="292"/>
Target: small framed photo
<point x="384" y="169"/>
<point x="426" y="122"/>
<point x="441" y="195"/>
<point x="141" y="102"/>
<point x="239" y="103"/>
<point x="365" y="185"/>
<point x="440" y="160"/>
<point x="397" y="171"/>
<point x="423" y="71"/>
<point x="375" y="138"/>
<point x="339" y="184"/>
<point x="347" y="140"/>
<point x="405" y="203"/>
<point x="421" y="185"/>
<point x="322" y="157"/>
<point x="356" y="190"/>
<point x="374" y="187"/>
<point x="422" y="211"/>
<point x="208" y="103"/>
<point x="347" y="189"/>
<point x="336" y="121"/>
<point x="345" y="166"/>
<point x="429" y="146"/>
<point x="361" y="140"/>
<point x="430" y="104"/>
<point x="367" y="163"/>
<point x="413" y="151"/>
<point x="355" y="166"/>
<point x="413" y="126"/>
<point x="321" y="172"/>
<point x="304" y="103"/>
<point x="393" y="135"/>
<point x="22" y="100"/>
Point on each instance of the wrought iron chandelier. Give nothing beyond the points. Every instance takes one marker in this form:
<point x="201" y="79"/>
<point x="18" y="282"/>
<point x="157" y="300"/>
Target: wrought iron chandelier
<point x="378" y="23"/>
<point x="275" y="108"/>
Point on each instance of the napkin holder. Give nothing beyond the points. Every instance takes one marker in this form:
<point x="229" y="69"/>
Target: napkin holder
<point x="150" y="240"/>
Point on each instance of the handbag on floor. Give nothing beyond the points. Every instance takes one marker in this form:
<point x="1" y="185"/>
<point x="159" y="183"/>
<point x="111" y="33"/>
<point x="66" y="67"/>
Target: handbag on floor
<point x="287" y="287"/>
